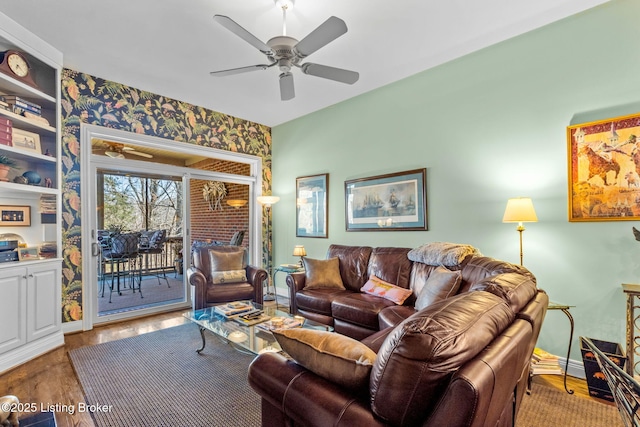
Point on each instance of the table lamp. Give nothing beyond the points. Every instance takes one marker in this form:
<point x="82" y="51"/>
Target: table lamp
<point x="520" y="210"/>
<point x="299" y="250"/>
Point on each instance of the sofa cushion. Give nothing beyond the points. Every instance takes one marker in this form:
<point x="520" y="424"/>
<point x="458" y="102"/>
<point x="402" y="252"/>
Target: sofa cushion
<point x="380" y="288"/>
<point x="354" y="261"/>
<point x="359" y="309"/>
<point x="517" y="290"/>
<point x="442" y="283"/>
<point x="318" y="300"/>
<point x="479" y="268"/>
<point x="442" y="253"/>
<point x="391" y="265"/>
<point x="390" y="317"/>
<point x="337" y="358"/>
<point x="322" y="273"/>
<point x="418" y="358"/>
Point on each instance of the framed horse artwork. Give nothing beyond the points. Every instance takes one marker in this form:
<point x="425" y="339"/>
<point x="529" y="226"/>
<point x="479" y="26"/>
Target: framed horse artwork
<point x="604" y="170"/>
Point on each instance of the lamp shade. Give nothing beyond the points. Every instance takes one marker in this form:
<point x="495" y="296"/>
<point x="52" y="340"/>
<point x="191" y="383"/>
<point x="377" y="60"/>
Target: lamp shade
<point x="236" y="203"/>
<point x="268" y="200"/>
<point x="520" y="210"/>
<point x="299" y="250"/>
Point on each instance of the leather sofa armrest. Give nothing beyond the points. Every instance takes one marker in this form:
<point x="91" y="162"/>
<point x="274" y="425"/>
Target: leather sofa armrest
<point x="199" y="282"/>
<point x="256" y="276"/>
<point x="282" y="383"/>
<point x="295" y="282"/>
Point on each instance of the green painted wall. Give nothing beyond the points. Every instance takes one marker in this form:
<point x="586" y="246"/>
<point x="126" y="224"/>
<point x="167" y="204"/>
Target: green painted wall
<point x="488" y="127"/>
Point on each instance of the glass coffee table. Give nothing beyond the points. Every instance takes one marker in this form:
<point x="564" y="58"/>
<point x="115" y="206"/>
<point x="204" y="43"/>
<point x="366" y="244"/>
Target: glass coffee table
<point x="246" y="338"/>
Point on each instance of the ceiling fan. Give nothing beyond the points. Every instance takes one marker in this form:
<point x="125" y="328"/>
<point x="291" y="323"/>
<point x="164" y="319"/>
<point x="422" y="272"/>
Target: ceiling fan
<point x="287" y="52"/>
<point x="117" y="150"/>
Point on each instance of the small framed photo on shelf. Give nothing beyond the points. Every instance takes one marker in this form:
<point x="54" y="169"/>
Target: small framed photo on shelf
<point x="12" y="216"/>
<point x="27" y="141"/>
<point x="29" y="253"/>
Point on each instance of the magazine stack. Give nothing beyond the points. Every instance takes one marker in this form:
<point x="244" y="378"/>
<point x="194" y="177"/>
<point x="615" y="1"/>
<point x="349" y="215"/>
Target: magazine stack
<point x="545" y="363"/>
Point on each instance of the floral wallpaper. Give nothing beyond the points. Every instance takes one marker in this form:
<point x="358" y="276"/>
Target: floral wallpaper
<point x="89" y="99"/>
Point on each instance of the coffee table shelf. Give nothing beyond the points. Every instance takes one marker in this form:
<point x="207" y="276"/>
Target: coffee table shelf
<point x="251" y="339"/>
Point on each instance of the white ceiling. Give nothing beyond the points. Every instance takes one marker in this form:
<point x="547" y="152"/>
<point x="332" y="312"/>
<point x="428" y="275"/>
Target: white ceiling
<point x="168" y="47"/>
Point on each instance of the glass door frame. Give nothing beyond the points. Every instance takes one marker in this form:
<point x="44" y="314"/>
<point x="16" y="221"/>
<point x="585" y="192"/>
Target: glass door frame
<point x="88" y="168"/>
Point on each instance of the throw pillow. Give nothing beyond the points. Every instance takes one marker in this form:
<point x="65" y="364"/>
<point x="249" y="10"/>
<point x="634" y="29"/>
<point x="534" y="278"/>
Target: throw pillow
<point x="335" y="357"/>
<point x="322" y="273"/>
<point x="231" y="276"/>
<point x="225" y="260"/>
<point x="441" y="283"/>
<point x="386" y="290"/>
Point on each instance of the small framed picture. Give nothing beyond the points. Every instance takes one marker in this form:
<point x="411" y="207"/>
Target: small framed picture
<point x="12" y="216"/>
<point x="28" y="253"/>
<point x="312" y="204"/>
<point x="27" y="141"/>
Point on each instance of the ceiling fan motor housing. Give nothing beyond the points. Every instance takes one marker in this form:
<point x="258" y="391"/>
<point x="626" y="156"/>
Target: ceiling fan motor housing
<point x="282" y="46"/>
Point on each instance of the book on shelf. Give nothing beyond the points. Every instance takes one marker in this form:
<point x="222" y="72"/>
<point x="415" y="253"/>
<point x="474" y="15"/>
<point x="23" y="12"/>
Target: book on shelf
<point x="18" y="100"/>
<point x="234" y="308"/>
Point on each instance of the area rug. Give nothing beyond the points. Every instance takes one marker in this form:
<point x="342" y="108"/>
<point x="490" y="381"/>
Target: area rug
<point x="158" y="380"/>
<point x="547" y="406"/>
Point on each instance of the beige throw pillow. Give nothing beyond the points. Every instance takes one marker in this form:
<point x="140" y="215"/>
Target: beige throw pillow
<point x="225" y="261"/>
<point x="230" y="276"/>
<point x="322" y="273"/>
<point x="442" y="283"/>
<point x="335" y="357"/>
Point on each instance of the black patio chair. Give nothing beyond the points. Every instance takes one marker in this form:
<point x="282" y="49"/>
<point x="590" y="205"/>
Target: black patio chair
<point x="123" y="252"/>
<point x="154" y="245"/>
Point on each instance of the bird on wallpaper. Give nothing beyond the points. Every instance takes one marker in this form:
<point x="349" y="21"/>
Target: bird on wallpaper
<point x="636" y="233"/>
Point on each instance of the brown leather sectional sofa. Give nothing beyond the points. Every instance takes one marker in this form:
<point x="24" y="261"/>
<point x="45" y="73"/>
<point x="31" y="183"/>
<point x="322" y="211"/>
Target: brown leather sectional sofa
<point x="461" y="361"/>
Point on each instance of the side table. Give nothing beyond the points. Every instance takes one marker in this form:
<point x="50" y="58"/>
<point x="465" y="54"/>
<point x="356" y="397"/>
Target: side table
<point x="633" y="339"/>
<point x="285" y="268"/>
<point x="565" y="309"/>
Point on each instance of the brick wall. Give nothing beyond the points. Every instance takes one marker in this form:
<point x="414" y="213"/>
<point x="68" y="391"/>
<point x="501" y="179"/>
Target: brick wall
<point x="220" y="225"/>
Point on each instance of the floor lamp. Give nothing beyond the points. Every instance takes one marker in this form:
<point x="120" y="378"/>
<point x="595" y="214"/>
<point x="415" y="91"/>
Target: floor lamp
<point x="267" y="201"/>
<point x="520" y="210"/>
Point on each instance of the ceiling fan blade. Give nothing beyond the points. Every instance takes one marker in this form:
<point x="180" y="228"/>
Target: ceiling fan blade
<point x="327" y="32"/>
<point x="245" y="35"/>
<point x="240" y="70"/>
<point x="141" y="154"/>
<point x="287" y="91"/>
<point x="331" y="73"/>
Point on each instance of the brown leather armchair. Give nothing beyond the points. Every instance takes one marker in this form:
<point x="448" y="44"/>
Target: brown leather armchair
<point x="207" y="293"/>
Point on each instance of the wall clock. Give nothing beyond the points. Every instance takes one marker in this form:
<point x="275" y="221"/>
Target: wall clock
<point x="16" y="65"/>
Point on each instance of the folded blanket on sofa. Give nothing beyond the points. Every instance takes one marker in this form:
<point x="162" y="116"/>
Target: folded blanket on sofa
<point x="442" y="253"/>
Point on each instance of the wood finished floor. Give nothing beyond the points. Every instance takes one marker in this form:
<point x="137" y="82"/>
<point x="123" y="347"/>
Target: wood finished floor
<point x="50" y="379"/>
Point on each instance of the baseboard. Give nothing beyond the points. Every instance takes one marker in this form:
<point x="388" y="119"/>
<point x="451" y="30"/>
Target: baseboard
<point x="575" y="368"/>
<point x="29" y="351"/>
<point x="72" y="327"/>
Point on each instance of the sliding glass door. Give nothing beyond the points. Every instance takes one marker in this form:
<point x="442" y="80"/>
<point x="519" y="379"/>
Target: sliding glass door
<point x="144" y="210"/>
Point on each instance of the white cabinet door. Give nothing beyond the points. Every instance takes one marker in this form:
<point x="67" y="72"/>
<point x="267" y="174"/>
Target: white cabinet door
<point x="13" y="295"/>
<point x="43" y="292"/>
